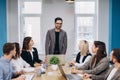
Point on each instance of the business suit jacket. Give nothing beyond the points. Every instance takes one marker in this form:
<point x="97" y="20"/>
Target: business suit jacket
<point x="28" y="58"/>
<point x="100" y="69"/>
<point x="116" y="75"/>
<point x="50" y="42"/>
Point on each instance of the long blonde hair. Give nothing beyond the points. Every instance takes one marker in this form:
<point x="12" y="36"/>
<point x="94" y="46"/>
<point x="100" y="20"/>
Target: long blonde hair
<point x="83" y="47"/>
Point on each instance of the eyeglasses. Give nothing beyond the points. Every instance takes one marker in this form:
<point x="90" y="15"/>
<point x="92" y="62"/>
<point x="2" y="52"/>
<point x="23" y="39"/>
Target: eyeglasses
<point x="58" y="23"/>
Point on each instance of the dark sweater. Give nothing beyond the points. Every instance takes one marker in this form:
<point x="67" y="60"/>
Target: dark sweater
<point x="79" y="55"/>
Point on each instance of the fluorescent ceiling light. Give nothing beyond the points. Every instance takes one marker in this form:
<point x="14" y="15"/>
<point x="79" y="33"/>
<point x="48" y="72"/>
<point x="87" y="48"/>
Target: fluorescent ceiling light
<point x="70" y="1"/>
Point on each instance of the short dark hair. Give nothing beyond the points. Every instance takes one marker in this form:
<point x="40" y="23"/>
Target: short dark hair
<point x="8" y="47"/>
<point x="58" y="18"/>
<point x="116" y="54"/>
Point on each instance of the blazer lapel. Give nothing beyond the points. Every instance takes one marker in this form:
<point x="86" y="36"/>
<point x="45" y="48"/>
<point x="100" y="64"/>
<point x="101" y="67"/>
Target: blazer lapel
<point x="60" y="36"/>
<point x="116" y="74"/>
<point x="53" y="33"/>
<point x="107" y="74"/>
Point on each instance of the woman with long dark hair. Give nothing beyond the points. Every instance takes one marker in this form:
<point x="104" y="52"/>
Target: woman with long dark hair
<point x="98" y="65"/>
<point x="30" y="53"/>
<point x="17" y="62"/>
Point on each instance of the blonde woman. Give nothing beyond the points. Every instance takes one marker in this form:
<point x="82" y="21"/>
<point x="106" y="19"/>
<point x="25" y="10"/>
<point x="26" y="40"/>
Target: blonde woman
<point x="83" y="56"/>
<point x="97" y="65"/>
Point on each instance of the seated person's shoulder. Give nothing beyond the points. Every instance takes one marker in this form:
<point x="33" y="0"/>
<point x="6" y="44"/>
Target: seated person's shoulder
<point x="34" y="49"/>
<point x="89" y="54"/>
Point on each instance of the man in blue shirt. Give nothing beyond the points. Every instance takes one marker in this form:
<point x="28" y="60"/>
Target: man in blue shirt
<point x="6" y="71"/>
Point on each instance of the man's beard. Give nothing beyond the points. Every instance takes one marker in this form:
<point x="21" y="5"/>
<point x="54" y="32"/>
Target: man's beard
<point x="111" y="62"/>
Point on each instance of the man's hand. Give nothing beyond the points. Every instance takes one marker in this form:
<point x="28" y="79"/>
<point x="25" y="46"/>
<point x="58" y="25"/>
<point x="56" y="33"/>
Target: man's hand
<point x="87" y="76"/>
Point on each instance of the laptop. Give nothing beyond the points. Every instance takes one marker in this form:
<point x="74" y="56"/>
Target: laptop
<point x="61" y="57"/>
<point x="69" y="76"/>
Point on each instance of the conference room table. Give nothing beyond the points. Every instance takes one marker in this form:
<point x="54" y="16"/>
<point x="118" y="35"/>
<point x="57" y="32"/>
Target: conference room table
<point x="53" y="74"/>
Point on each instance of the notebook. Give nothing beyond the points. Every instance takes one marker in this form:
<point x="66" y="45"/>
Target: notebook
<point x="69" y="76"/>
<point x="61" y="57"/>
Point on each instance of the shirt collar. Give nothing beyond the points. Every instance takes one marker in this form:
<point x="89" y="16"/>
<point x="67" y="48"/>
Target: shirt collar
<point x="5" y="60"/>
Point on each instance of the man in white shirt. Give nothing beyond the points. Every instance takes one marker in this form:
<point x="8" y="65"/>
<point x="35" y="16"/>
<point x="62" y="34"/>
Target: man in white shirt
<point x="114" y="71"/>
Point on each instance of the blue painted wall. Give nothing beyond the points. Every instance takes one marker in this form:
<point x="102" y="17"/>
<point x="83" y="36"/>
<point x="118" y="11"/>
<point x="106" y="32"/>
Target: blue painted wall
<point x="114" y="32"/>
<point x="3" y="28"/>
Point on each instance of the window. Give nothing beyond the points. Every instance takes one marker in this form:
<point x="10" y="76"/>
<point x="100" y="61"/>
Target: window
<point x="30" y="18"/>
<point x="85" y="21"/>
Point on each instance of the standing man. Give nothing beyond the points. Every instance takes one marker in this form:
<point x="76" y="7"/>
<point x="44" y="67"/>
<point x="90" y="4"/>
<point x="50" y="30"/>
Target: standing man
<point x="56" y="39"/>
<point x="6" y="70"/>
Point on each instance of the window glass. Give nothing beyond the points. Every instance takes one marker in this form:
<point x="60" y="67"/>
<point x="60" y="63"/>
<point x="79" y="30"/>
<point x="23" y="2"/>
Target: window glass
<point x="85" y="7"/>
<point x="31" y="8"/>
<point x="85" y="21"/>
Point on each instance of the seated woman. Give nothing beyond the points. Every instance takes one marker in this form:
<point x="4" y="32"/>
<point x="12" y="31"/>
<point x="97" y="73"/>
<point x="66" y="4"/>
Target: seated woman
<point x="114" y="72"/>
<point x="30" y="53"/>
<point x="83" y="56"/>
<point x="98" y="64"/>
<point x="17" y="62"/>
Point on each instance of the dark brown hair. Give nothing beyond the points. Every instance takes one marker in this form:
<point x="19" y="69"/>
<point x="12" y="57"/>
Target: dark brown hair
<point x="26" y="43"/>
<point x="8" y="47"/>
<point x="17" y="50"/>
<point x="101" y="52"/>
<point x="116" y="54"/>
<point x="58" y="18"/>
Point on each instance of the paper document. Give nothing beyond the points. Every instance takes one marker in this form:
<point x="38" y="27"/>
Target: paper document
<point x="29" y="76"/>
<point x="29" y="69"/>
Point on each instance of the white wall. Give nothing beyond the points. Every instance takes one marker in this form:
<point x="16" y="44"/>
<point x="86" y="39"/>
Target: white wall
<point x="52" y="9"/>
<point x="103" y="22"/>
<point x="12" y="21"/>
<point x="59" y="8"/>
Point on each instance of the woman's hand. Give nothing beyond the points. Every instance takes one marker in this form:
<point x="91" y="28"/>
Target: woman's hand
<point x="37" y="64"/>
<point x="46" y="59"/>
<point x="75" y="71"/>
<point x="20" y="72"/>
<point x="22" y="77"/>
<point x="71" y="63"/>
